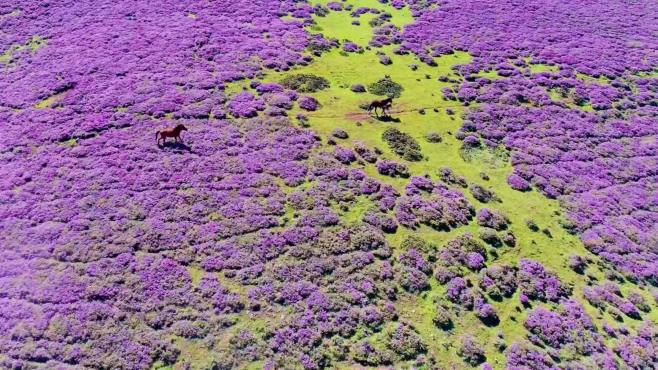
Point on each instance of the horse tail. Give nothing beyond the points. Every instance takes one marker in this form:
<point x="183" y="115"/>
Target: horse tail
<point x="370" y="107"/>
<point x="157" y="133"/>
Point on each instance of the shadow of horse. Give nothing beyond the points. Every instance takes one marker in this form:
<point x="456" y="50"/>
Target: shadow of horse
<point x="387" y="118"/>
<point x="176" y="146"/>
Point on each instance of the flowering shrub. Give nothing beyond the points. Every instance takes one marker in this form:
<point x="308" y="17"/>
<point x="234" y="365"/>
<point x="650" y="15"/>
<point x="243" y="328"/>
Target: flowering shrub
<point x="471" y="352"/>
<point x="535" y="282"/>
<point x="246" y="105"/>
<point x="493" y="219"/>
<point x="610" y="294"/>
<point x="393" y="169"/>
<point x="498" y="281"/>
<point x="308" y="103"/>
<point x="351" y="47"/>
<point x="368" y="155"/>
<point x="518" y="183"/>
<point x="522" y="355"/>
<point x="448" y="176"/>
<point x="639" y="351"/>
<point x="569" y="328"/>
<point x="438" y="207"/>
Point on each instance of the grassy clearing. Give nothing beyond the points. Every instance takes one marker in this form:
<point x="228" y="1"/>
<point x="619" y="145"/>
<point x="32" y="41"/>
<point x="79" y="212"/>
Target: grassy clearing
<point x="539" y="67"/>
<point x="602" y="80"/>
<point x="339" y="24"/>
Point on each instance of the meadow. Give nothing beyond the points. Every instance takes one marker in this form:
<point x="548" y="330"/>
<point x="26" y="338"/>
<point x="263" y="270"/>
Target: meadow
<point x="503" y="214"/>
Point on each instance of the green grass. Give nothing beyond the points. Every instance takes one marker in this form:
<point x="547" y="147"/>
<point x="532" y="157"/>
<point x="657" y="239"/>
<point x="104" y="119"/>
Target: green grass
<point x="538" y="68"/>
<point x="34" y="44"/>
<point x="587" y="78"/>
<point x="492" y="75"/>
<point x="51" y="100"/>
<point x="339" y="24"/>
<point x="569" y="101"/>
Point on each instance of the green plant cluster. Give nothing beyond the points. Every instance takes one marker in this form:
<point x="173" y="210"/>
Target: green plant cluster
<point x="402" y="144"/>
<point x="386" y="86"/>
<point x="305" y="83"/>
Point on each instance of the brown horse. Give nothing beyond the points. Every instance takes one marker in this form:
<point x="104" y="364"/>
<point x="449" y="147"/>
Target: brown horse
<point x="170" y="132"/>
<point x="383" y="104"/>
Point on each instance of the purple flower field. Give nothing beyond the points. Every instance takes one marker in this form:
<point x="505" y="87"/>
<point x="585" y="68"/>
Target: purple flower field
<point x="258" y="243"/>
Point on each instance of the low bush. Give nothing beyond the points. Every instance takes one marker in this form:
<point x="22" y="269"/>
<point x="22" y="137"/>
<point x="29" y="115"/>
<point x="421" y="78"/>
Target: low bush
<point x="308" y="103"/>
<point x="448" y="176"/>
<point x="443" y="319"/>
<point x="305" y="83"/>
<point x="482" y="194"/>
<point x="402" y="144"/>
<point x="358" y="88"/>
<point x="385" y="59"/>
<point x="339" y="133"/>
<point x="471" y="352"/>
<point x="434" y="137"/>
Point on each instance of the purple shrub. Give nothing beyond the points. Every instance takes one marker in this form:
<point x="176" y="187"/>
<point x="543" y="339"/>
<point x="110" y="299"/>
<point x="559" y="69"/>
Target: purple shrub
<point x="471" y="352"/>
<point x="368" y="155"/>
<point x="518" y="183"/>
<point x="609" y="294"/>
<point x="245" y="105"/>
<point x="449" y="177"/>
<point x="358" y="88"/>
<point x="498" y="281"/>
<point x="405" y="342"/>
<point x="350" y="47"/>
<point x="589" y="159"/>
<point x="442" y="209"/>
<point x="487" y="313"/>
<point x="568" y="328"/>
<point x="578" y="263"/>
<point x="392" y="169"/>
<point x="522" y="355"/>
<point x="535" y="282"/>
<point x="344" y="155"/>
<point x="308" y="103"/>
<point x="492" y="219"/>
<point x="443" y="318"/>
<point x="367" y="354"/>
<point x="639" y="351"/>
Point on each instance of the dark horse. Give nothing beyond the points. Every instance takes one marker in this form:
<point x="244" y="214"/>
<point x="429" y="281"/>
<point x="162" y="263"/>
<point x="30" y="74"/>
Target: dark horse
<point x="170" y="132"/>
<point x="383" y="104"/>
